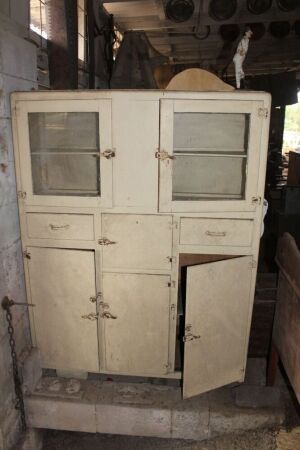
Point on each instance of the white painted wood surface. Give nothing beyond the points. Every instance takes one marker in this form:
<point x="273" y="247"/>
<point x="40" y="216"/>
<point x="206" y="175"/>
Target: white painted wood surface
<point x="60" y="226"/>
<point x="140" y="242"/>
<point x="61" y="284"/>
<point x="228" y="232"/>
<point x="230" y="178"/>
<point x="217" y="301"/>
<point x="136" y="341"/>
<point x="103" y="110"/>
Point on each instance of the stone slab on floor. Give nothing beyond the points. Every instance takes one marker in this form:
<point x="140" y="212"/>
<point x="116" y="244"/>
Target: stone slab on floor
<point x="258" y="397"/>
<point x="141" y="409"/>
<point x="32" y="440"/>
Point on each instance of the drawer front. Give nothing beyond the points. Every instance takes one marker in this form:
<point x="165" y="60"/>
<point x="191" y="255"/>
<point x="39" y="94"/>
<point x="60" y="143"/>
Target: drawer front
<point x="141" y="242"/>
<point x="60" y="226"/>
<point x="230" y="232"/>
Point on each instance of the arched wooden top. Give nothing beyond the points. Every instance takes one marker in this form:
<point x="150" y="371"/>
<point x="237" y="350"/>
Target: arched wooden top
<point x="197" y="80"/>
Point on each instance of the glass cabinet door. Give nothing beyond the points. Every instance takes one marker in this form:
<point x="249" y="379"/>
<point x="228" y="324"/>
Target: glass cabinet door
<point x="64" y="142"/>
<point x="207" y="150"/>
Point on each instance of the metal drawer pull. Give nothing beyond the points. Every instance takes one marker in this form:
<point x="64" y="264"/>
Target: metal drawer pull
<point x="107" y="315"/>
<point x="90" y="316"/>
<point x="59" y="227"/>
<point x="216" y="233"/>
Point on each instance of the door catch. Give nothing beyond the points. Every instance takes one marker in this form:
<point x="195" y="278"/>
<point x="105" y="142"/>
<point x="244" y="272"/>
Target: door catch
<point x="108" y="154"/>
<point x="90" y="316"/>
<point x="105" y="241"/>
<point x="189" y="336"/>
<point x="107" y="315"/>
<point x="163" y="155"/>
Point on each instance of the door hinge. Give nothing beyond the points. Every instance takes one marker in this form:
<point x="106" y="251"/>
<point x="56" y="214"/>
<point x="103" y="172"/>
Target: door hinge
<point x="256" y="200"/>
<point x="108" y="154"/>
<point x="105" y="241"/>
<point x="163" y="155"/>
<point x="26" y="254"/>
<point x="22" y="194"/>
<point x="173" y="308"/>
<point x="253" y="264"/>
<point x="263" y="112"/>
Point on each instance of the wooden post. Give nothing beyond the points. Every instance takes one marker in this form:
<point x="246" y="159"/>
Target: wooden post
<point x="63" y="44"/>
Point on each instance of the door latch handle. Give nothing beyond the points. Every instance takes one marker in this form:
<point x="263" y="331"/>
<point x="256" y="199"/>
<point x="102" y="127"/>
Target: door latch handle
<point x="108" y="154"/>
<point x="163" y="155"/>
<point x="93" y="299"/>
<point x="90" y="316"/>
<point x="190" y="337"/>
<point x="107" y="315"/>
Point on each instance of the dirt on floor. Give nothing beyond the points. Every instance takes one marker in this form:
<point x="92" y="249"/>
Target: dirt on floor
<point x="256" y="440"/>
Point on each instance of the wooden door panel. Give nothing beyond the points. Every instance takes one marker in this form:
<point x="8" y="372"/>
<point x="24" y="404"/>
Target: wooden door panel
<point x="61" y="284"/>
<point x="136" y="341"/>
<point x="217" y="307"/>
<point x="140" y="241"/>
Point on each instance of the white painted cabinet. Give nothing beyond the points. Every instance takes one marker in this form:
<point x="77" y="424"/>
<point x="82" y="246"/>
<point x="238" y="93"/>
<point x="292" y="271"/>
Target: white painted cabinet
<point x="209" y="154"/>
<point x="67" y="151"/>
<point x="140" y="217"/>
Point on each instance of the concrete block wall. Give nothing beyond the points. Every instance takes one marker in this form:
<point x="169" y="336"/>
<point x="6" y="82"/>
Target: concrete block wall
<point x="17" y="72"/>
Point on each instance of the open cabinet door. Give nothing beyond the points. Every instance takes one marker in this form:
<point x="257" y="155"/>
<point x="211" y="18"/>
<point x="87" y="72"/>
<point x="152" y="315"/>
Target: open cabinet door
<point x="217" y="308"/>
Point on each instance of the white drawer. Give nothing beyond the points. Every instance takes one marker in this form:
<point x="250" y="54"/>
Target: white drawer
<point x="60" y="226"/>
<point x="207" y="231"/>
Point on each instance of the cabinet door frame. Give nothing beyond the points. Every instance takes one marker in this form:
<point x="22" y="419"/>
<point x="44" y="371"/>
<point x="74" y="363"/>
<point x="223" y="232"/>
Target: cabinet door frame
<point x="167" y="110"/>
<point x="103" y="108"/>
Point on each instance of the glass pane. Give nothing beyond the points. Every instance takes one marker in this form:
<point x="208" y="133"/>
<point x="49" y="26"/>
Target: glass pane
<point x="65" y="153"/>
<point x="208" y="177"/>
<point x="211" y="132"/>
<point x="210" y="152"/>
<point x="73" y="174"/>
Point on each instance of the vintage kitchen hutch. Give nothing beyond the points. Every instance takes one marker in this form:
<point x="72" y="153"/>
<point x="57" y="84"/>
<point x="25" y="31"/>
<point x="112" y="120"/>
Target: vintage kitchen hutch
<point x="140" y="218"/>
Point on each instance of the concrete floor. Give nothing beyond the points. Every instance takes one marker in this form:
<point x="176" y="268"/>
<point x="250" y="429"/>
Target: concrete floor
<point x="256" y="440"/>
<point x="287" y="437"/>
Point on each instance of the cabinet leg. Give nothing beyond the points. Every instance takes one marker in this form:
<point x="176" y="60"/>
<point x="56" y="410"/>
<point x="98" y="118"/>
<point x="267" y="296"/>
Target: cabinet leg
<point x="272" y="365"/>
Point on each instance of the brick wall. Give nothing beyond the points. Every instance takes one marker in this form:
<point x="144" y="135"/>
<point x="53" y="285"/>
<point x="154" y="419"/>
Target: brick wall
<point x="17" y="72"/>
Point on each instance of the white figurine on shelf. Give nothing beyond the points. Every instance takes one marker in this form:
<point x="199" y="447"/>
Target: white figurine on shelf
<point x="240" y="56"/>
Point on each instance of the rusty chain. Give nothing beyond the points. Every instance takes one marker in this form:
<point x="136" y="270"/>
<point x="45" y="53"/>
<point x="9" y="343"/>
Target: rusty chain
<point x="6" y="305"/>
